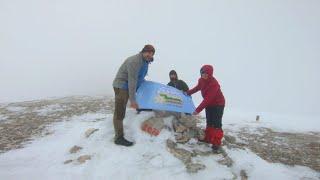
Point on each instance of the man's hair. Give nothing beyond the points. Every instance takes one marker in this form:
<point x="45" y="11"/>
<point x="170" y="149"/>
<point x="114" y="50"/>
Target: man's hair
<point x="148" y="48"/>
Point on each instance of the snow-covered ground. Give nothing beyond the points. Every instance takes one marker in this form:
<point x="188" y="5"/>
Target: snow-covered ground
<point x="49" y="109"/>
<point x="278" y="122"/>
<point x="2" y="117"/>
<point x="149" y="159"/>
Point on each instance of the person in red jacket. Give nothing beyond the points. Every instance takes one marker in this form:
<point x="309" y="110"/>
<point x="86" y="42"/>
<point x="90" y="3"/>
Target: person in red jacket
<point x="213" y="102"/>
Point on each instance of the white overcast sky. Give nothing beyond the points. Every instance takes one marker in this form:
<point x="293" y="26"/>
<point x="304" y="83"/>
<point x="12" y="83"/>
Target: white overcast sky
<point x="266" y="53"/>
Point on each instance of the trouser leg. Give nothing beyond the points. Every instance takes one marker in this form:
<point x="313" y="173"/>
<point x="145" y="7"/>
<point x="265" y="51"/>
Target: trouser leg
<point x="121" y="100"/>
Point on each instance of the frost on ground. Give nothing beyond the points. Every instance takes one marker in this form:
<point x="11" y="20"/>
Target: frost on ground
<point x="281" y="147"/>
<point x="72" y="138"/>
<point x="27" y="120"/>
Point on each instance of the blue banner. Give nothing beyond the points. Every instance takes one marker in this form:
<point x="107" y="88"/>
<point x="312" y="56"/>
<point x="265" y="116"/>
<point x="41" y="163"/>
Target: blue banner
<point x="152" y="95"/>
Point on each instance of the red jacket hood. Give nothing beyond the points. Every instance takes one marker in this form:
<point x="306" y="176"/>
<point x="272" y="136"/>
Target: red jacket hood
<point x="208" y="69"/>
<point x="210" y="90"/>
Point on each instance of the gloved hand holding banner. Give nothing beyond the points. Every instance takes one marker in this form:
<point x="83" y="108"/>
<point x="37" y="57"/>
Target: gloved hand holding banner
<point x="152" y="95"/>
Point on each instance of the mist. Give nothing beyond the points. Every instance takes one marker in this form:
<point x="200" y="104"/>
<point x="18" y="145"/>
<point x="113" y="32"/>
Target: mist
<point x="266" y="54"/>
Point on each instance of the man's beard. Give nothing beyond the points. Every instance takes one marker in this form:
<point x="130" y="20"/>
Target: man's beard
<point x="173" y="79"/>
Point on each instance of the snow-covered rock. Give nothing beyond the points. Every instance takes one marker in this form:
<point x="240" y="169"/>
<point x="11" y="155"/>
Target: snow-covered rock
<point x="75" y="149"/>
<point x="90" y="131"/>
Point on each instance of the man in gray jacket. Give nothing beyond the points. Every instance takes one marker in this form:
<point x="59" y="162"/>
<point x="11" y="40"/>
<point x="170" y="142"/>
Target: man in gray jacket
<point x="129" y="77"/>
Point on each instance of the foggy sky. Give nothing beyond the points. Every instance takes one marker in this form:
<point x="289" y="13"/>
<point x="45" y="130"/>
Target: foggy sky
<point x="266" y="54"/>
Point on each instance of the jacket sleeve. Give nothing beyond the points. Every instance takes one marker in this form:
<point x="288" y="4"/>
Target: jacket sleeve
<point x="133" y="73"/>
<point x="194" y="90"/>
<point x="208" y="97"/>
<point x="185" y="87"/>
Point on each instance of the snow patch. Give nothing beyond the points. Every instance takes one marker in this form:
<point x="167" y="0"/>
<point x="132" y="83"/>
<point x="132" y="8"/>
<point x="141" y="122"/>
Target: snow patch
<point x="49" y="109"/>
<point x="258" y="168"/>
<point x="276" y="122"/>
<point x="15" y="108"/>
<point x="3" y="117"/>
<point x="148" y="159"/>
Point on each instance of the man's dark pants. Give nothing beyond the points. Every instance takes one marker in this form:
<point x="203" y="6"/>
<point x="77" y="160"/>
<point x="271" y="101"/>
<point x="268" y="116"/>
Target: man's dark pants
<point x="121" y="100"/>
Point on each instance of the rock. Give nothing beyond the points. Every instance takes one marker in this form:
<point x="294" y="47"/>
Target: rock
<point x="153" y="126"/>
<point x="75" y="149"/>
<point x="188" y="134"/>
<point x="226" y="161"/>
<point x="192" y="133"/>
<point x="182" y="138"/>
<point x="99" y="119"/>
<point x="243" y="175"/>
<point x="230" y="139"/>
<point x="197" y="152"/>
<point x="201" y="133"/>
<point x="179" y="128"/>
<point x="188" y="121"/>
<point x="48" y="133"/>
<point x="233" y="146"/>
<point x="182" y="154"/>
<point x="194" y="167"/>
<point x="83" y="159"/>
<point x="171" y="144"/>
<point x="186" y="129"/>
<point x="68" y="161"/>
<point x="162" y="114"/>
<point x="90" y="131"/>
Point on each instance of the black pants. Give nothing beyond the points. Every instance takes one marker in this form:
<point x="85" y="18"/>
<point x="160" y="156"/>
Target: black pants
<point x="214" y="116"/>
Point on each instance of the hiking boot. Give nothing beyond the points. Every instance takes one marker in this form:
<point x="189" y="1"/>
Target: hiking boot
<point x="217" y="149"/>
<point x="123" y="142"/>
